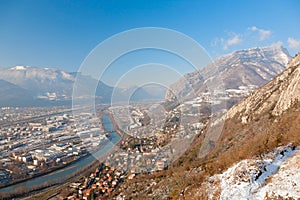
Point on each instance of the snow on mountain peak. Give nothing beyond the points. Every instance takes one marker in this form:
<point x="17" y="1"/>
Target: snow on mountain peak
<point x="274" y="52"/>
<point x="67" y="75"/>
<point x="21" y="68"/>
<point x="275" y="97"/>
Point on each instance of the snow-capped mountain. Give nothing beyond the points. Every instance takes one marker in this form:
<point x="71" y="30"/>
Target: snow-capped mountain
<point x="50" y="83"/>
<point x="275" y="97"/>
<point x="46" y="83"/>
<point x="250" y="67"/>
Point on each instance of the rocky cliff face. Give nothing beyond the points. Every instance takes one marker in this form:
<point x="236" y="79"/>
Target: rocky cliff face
<point x="275" y="97"/>
<point x="255" y="66"/>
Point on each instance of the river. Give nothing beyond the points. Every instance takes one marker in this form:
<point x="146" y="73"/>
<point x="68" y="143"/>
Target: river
<point x="62" y="174"/>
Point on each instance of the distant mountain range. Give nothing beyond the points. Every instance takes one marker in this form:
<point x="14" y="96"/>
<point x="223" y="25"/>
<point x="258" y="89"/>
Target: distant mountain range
<point x="10" y="98"/>
<point x="47" y="83"/>
<point x="250" y="67"/>
<point x="32" y="86"/>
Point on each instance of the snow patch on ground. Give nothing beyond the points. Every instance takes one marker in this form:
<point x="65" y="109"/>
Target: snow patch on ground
<point x="276" y="173"/>
<point x="286" y="182"/>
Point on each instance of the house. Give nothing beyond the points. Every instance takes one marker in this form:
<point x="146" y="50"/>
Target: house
<point x="87" y="193"/>
<point x="26" y="158"/>
<point x="161" y="164"/>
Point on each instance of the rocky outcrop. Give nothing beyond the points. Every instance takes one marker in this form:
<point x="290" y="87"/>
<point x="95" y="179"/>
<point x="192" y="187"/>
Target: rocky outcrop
<point x="275" y="97"/>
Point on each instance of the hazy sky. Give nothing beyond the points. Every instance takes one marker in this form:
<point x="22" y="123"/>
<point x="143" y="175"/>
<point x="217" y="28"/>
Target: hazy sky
<point x="58" y="33"/>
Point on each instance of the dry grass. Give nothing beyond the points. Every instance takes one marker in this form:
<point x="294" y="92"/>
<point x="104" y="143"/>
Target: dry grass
<point x="238" y="141"/>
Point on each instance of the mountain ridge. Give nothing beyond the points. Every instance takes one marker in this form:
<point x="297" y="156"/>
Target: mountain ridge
<point x="277" y="95"/>
<point x="238" y="165"/>
<point x="53" y="85"/>
<point x="254" y="66"/>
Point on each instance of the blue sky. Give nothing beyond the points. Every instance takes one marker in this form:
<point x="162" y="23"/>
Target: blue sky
<point x="58" y="33"/>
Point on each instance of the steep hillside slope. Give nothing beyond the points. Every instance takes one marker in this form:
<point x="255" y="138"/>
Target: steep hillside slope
<point x="269" y="118"/>
<point x="276" y="96"/>
<point x="253" y="157"/>
<point x="272" y="176"/>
